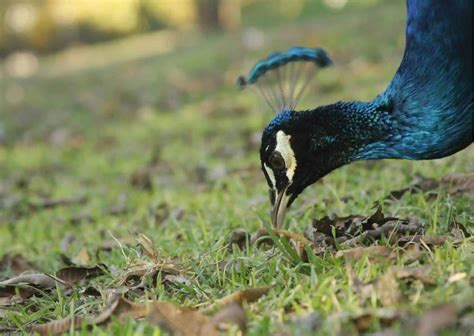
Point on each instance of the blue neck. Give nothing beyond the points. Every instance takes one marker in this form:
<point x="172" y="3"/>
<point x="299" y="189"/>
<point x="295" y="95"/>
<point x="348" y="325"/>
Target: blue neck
<point x="426" y="112"/>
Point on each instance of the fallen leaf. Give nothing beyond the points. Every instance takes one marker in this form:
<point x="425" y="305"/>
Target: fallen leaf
<point x="231" y="314"/>
<point x="148" y="247"/>
<point x="239" y="237"/>
<point x="457" y="183"/>
<point x="177" y="279"/>
<point x="422" y="273"/>
<point x="373" y="252"/>
<point x="363" y="320"/>
<point x="15" y="264"/>
<point x="423" y="185"/>
<point x="82" y="258"/>
<point x="388" y="290"/>
<point x="121" y="308"/>
<point x="246" y="295"/>
<point x="453" y="184"/>
<point x="458" y="230"/>
<point x="15" y="293"/>
<point x="327" y="224"/>
<point x="412" y="252"/>
<point x="73" y="274"/>
<point x="39" y="280"/>
<point x="57" y="327"/>
<point x="457" y="277"/>
<point x="181" y="321"/>
<point x="356" y="229"/>
<point x="117" y="306"/>
<point x="428" y="240"/>
<point x="142" y="178"/>
<point x="437" y="318"/>
<point x="305" y="324"/>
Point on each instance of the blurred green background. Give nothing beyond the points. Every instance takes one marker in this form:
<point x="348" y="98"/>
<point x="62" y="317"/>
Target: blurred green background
<point x="120" y="117"/>
<point x="112" y="59"/>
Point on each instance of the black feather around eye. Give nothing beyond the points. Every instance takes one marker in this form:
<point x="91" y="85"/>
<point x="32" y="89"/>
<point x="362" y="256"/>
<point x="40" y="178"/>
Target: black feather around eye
<point x="276" y="161"/>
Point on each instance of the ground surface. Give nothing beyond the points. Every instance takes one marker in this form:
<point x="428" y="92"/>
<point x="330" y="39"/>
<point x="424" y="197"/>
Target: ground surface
<point x="164" y="145"/>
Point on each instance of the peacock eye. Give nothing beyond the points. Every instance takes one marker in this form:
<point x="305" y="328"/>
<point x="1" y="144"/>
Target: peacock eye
<point x="276" y="161"/>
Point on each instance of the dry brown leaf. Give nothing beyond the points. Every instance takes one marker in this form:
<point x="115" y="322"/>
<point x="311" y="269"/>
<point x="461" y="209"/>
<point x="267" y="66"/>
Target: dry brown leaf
<point x="458" y="183"/>
<point x="148" y="247"/>
<point x="178" y="321"/>
<point x="422" y="273"/>
<point x="453" y="184"/>
<point x="412" y="252"/>
<point x="40" y="280"/>
<point x="355" y="230"/>
<point x="457" y="277"/>
<point x="139" y="270"/>
<point x="15" y="264"/>
<point x="57" y="327"/>
<point x="10" y="300"/>
<point x="73" y="274"/>
<point x="387" y="289"/>
<point x="117" y="306"/>
<point x="177" y="279"/>
<point x="16" y="292"/>
<point x="363" y="320"/>
<point x="428" y="240"/>
<point x="232" y="314"/>
<point x="327" y="224"/>
<point x="246" y="295"/>
<point x="181" y="321"/>
<point x="121" y="308"/>
<point x="373" y="252"/>
<point x="143" y="178"/>
<point x="437" y="318"/>
<point x="239" y="237"/>
<point x="82" y="258"/>
<point x="458" y="230"/>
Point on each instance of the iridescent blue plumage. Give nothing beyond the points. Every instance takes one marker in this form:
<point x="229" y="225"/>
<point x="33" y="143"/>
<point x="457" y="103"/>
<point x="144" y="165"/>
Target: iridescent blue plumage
<point x="426" y="112"/>
<point x="316" y="55"/>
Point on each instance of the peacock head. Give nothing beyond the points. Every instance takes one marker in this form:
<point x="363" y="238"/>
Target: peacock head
<point x="288" y="146"/>
<point x="294" y="154"/>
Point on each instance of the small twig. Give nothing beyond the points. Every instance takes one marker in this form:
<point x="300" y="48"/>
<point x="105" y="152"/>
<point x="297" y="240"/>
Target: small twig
<point x="52" y="203"/>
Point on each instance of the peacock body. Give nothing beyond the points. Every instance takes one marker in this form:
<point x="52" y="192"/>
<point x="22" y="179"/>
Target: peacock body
<point x="425" y="112"/>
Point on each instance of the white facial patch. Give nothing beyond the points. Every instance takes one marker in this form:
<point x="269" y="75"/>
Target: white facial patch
<point x="284" y="148"/>
<point x="270" y="175"/>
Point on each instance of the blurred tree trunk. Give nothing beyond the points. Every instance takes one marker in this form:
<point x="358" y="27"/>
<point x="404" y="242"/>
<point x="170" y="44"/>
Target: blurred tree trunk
<point x="208" y="14"/>
<point x="218" y="14"/>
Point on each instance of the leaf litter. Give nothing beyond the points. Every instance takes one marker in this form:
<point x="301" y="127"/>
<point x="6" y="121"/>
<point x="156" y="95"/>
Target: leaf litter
<point x="174" y="319"/>
<point x="219" y="316"/>
<point x="345" y="237"/>
<point x="453" y="184"/>
<point x="351" y="238"/>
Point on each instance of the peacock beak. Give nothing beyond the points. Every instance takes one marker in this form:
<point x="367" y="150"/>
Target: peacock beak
<point x="279" y="208"/>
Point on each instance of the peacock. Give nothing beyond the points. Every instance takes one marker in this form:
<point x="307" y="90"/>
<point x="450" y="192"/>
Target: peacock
<point x="425" y="112"/>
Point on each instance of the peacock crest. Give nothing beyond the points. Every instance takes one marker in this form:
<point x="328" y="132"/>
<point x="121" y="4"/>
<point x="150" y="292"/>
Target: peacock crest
<point x="282" y="77"/>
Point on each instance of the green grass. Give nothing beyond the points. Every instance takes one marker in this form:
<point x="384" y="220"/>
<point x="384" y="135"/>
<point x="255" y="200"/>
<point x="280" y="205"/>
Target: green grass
<point x="181" y="111"/>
